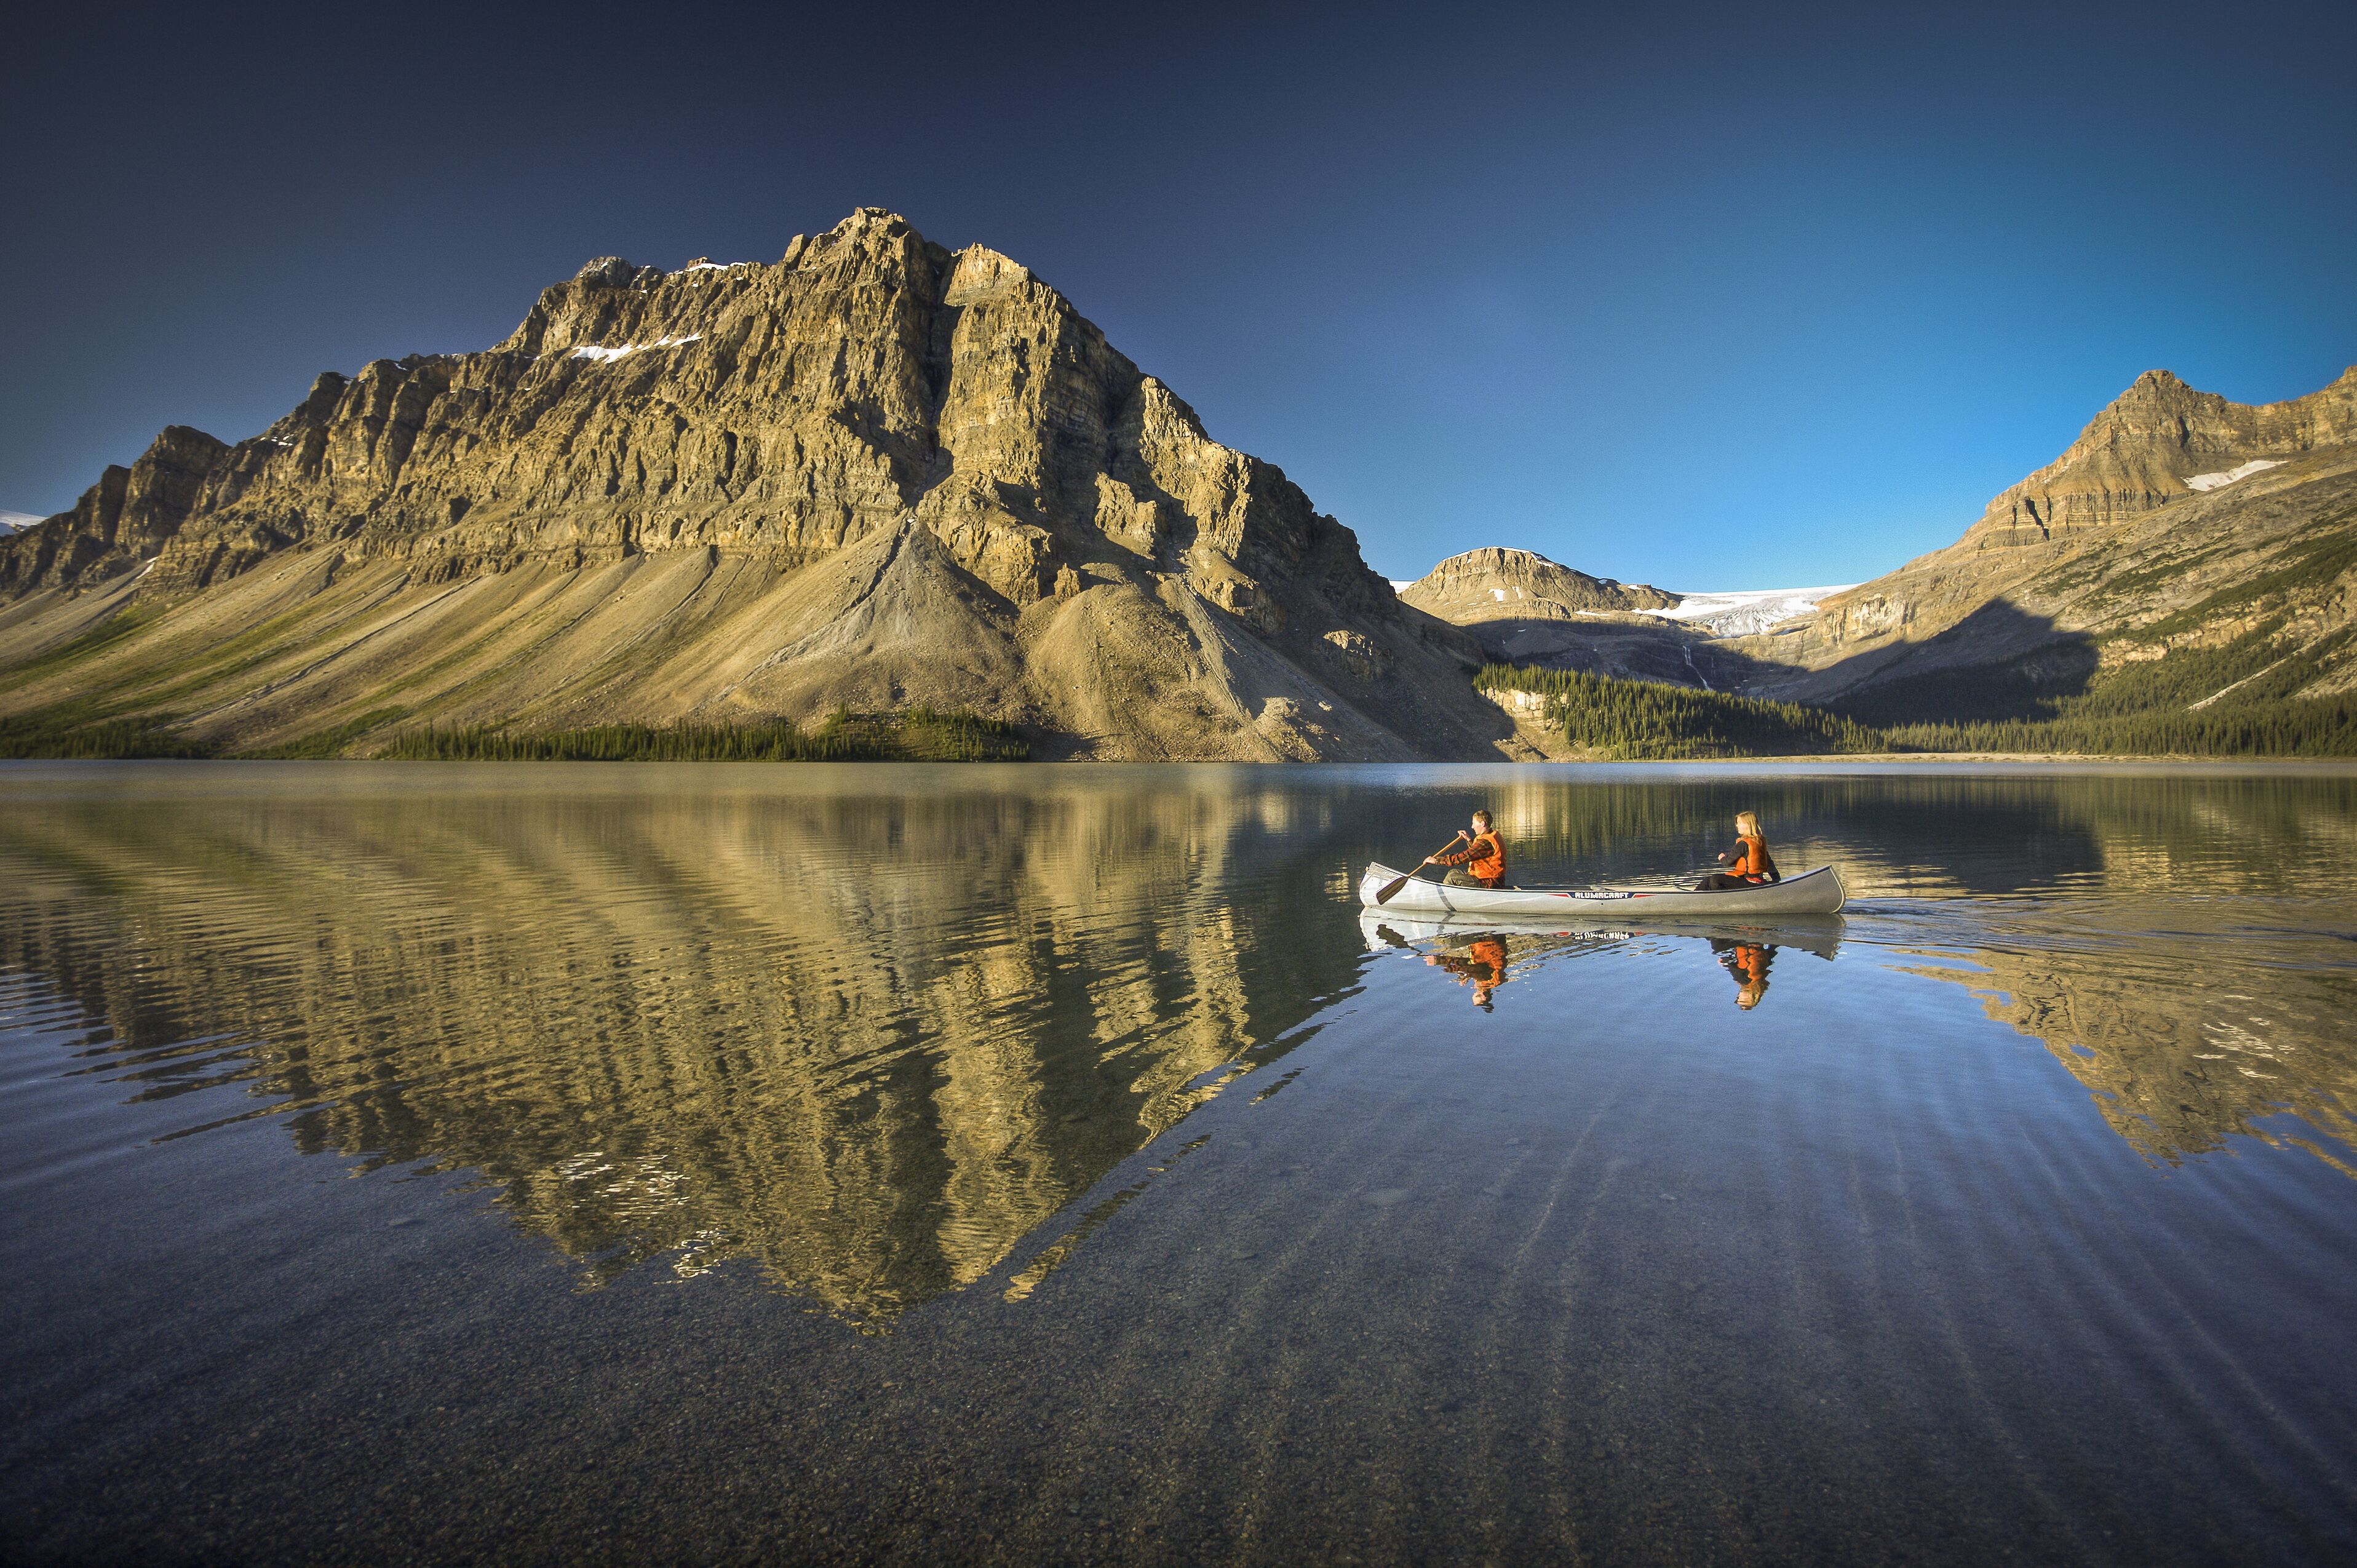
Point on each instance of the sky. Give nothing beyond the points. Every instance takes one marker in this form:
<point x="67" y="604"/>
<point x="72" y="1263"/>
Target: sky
<point x="1714" y="298"/>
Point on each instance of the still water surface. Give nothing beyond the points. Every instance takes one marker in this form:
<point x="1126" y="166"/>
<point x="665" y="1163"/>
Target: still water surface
<point x="997" y="1163"/>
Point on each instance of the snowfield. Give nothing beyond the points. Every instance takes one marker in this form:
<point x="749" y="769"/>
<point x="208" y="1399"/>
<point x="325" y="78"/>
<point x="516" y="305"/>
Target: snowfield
<point x="606" y="356"/>
<point x="2220" y="481"/>
<point x="17" y="522"/>
<point x="1753" y="610"/>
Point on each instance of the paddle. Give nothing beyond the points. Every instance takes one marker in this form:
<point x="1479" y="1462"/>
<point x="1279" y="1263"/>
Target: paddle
<point x="1384" y="895"/>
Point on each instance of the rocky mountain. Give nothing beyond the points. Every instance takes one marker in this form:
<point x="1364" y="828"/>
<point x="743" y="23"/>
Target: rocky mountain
<point x="2159" y="441"/>
<point x="1523" y="608"/>
<point x="2185" y="550"/>
<point x="877" y="473"/>
<point x="1520" y="585"/>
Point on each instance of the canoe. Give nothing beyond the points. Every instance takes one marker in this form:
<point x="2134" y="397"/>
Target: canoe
<point x="1817" y="892"/>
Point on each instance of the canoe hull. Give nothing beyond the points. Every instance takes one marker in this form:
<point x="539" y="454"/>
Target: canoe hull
<point x="1817" y="892"/>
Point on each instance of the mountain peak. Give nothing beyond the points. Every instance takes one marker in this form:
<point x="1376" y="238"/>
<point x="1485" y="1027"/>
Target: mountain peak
<point x="906" y="475"/>
<point x="1497" y="583"/>
<point x="2145" y="449"/>
<point x="610" y="272"/>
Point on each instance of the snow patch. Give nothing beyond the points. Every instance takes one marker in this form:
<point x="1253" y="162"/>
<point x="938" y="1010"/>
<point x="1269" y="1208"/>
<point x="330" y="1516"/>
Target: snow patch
<point x="17" y="522"/>
<point x="606" y="356"/>
<point x="1398" y="587"/>
<point x="1752" y="610"/>
<point x="2220" y="481"/>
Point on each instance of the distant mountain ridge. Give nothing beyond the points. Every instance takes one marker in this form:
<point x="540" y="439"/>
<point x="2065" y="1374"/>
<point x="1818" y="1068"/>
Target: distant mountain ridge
<point x="1523" y="608"/>
<point x="2179" y="529"/>
<point x="1526" y="609"/>
<point x="2183" y="575"/>
<point x="875" y="473"/>
<point x="1523" y="584"/>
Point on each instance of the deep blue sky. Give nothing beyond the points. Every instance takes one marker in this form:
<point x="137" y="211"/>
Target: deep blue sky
<point x="1715" y="300"/>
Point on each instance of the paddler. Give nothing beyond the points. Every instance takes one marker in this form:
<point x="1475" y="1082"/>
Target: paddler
<point x="1748" y="864"/>
<point x="1480" y="864"/>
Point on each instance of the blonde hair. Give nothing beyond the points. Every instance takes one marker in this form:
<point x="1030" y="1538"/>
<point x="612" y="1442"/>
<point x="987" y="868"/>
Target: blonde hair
<point x="1484" y="818"/>
<point x="1746" y="825"/>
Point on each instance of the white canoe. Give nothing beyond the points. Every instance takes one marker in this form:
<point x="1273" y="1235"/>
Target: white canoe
<point x="1817" y="892"/>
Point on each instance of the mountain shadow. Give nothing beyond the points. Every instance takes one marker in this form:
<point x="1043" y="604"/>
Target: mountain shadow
<point x="2000" y="662"/>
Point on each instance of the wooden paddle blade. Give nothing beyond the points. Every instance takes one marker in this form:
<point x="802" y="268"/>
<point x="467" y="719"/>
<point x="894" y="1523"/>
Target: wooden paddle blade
<point x="1383" y="894"/>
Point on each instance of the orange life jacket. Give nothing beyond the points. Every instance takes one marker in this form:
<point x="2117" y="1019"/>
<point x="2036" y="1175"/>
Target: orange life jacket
<point x="1751" y="860"/>
<point x="1484" y="859"/>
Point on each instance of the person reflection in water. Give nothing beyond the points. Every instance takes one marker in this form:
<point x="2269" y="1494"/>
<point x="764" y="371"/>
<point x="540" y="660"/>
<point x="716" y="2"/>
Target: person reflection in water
<point x="1484" y="964"/>
<point x="1747" y="961"/>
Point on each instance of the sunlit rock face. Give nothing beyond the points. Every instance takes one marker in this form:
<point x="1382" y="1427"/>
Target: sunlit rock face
<point x="2159" y="442"/>
<point x="615" y="513"/>
<point x="1520" y="585"/>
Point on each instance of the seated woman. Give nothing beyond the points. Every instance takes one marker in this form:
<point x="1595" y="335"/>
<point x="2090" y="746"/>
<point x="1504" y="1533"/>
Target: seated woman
<point x="1748" y="864"/>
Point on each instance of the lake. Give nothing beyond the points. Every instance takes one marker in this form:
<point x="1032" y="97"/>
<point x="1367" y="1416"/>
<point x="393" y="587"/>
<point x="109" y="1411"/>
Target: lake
<point x="722" y="1163"/>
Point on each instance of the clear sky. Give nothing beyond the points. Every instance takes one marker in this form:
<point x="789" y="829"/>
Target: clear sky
<point x="1713" y="298"/>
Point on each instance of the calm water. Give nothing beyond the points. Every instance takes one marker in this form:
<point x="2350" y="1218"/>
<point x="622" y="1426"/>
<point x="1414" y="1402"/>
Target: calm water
<point x="716" y="1163"/>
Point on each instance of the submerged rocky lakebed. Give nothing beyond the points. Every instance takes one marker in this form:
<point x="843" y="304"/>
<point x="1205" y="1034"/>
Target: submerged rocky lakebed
<point x="727" y="1162"/>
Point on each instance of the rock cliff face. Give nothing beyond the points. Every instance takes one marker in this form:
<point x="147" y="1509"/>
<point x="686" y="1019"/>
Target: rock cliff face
<point x="2157" y="443"/>
<point x="877" y="472"/>
<point x="2177" y="523"/>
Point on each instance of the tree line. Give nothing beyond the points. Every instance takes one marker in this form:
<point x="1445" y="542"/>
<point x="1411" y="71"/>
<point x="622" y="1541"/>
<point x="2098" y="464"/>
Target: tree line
<point x="1650" y="721"/>
<point x="2138" y="711"/>
<point x="915" y="734"/>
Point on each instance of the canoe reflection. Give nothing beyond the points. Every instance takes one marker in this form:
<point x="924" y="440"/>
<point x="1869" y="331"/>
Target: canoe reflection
<point x="1485" y="956"/>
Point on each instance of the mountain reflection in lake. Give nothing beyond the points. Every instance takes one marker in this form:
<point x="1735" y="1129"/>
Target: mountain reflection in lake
<point x="869" y="1040"/>
<point x="1074" y="1087"/>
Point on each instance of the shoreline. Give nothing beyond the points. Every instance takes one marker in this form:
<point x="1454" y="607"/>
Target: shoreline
<point x="1814" y="761"/>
